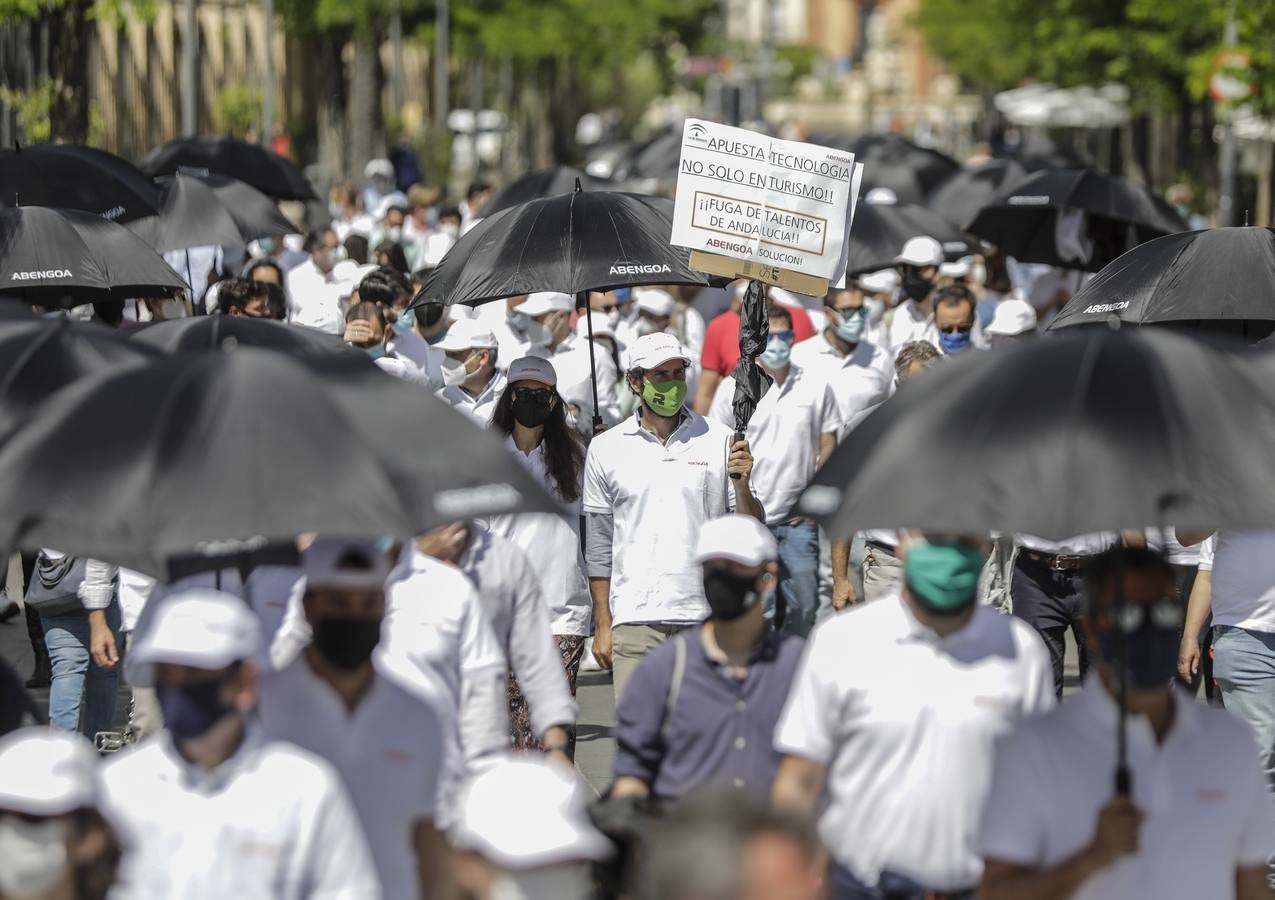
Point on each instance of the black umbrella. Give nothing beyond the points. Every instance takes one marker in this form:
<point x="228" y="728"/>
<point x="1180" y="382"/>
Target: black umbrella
<point x="751" y="380"/>
<point x="893" y="162"/>
<point x="1033" y="221"/>
<point x="228" y="332"/>
<point x="1037" y="153"/>
<point x="208" y="453"/>
<point x="538" y="185"/>
<point x="268" y="172"/>
<point x="39" y="356"/>
<point x="960" y="198"/>
<point x="656" y="158"/>
<point x="878" y="233"/>
<point x="71" y="176"/>
<point x="63" y="257"/>
<point x="1214" y="275"/>
<point x="214" y="209"/>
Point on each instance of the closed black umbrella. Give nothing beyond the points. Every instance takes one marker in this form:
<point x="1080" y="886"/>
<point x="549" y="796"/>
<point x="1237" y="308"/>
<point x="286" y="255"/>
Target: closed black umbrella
<point x="1075" y="218"/>
<point x="878" y="233"/>
<point x="62" y="257"/>
<point x="71" y="176"/>
<point x="751" y="380"/>
<point x="1216" y="275"/>
<point x="963" y="194"/>
<point x="209" y="453"/>
<point x="268" y="172"/>
<point x="538" y="185"/>
<point x="213" y="209"/>
<point x="228" y="332"/>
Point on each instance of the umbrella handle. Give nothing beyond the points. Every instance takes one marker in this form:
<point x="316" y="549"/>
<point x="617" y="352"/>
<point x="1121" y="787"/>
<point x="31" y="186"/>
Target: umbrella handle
<point x="739" y="436"/>
<point x="582" y="303"/>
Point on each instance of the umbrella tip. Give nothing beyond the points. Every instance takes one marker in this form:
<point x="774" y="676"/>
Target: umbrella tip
<point x="579" y="188"/>
<point x="1113" y="322"/>
<point x="1246" y="218"/>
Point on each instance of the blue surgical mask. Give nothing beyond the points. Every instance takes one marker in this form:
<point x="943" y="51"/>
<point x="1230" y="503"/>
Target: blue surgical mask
<point x="405" y="322"/>
<point x="778" y="350"/>
<point x="954" y="343"/>
<point x="519" y="322"/>
<point x="849" y="324"/>
<point x="376" y="351"/>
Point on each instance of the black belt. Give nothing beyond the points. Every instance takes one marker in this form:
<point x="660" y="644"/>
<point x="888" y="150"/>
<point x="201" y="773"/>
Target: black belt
<point x="1056" y="562"/>
<point x="883" y="548"/>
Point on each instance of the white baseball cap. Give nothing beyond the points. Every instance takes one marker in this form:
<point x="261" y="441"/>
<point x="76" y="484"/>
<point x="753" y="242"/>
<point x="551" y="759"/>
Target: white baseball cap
<point x="652" y="350"/>
<point x="467" y="334"/>
<point x="957" y="269"/>
<point x="436" y="247"/>
<point x="532" y="368"/>
<point x="881" y="196"/>
<point x="47" y="773"/>
<point x="342" y="562"/>
<point x="921" y="251"/>
<point x="392" y="200"/>
<point x="542" y="302"/>
<point x="736" y="537"/>
<point x="654" y="301"/>
<point x="526" y="812"/>
<point x="1013" y="316"/>
<point x="601" y="327"/>
<point x="379" y="166"/>
<point x="881" y="281"/>
<point x="199" y="627"/>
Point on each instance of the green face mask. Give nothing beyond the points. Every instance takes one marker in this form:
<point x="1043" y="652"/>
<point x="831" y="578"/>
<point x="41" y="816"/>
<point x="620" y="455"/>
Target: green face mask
<point x="665" y="398"/>
<point x="943" y="577"/>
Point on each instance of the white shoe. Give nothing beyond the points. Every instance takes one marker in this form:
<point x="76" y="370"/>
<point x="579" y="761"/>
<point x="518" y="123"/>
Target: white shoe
<point x="587" y="662"/>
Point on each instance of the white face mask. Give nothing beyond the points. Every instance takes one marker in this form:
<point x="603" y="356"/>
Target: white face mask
<point x="33" y="856"/>
<point x="394" y="233"/>
<point x="876" y="309"/>
<point x="568" y="881"/>
<point x="451" y="229"/>
<point x="455" y="372"/>
<point x="539" y="334"/>
<point x="613" y="319"/>
<point x="643" y="326"/>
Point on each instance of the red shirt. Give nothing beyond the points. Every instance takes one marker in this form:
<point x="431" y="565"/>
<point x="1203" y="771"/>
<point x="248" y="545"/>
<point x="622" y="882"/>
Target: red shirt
<point x="721" y="338"/>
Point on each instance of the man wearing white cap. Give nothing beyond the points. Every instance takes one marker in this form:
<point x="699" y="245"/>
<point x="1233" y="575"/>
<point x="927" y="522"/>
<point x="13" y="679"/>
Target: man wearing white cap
<point x="879" y="291"/>
<point x="574" y="372"/>
<point x="389" y="748"/>
<point x="654" y="313"/>
<point x="701" y="709"/>
<point x="649" y="484"/>
<point x="1013" y="320"/>
<point x="893" y="717"/>
<point x="315" y="290"/>
<point x="472" y="382"/>
<point x="524" y="833"/>
<point x="793" y="431"/>
<point x="918" y="266"/>
<point x="53" y="841"/>
<point x="211" y="807"/>
<point x="548" y="322"/>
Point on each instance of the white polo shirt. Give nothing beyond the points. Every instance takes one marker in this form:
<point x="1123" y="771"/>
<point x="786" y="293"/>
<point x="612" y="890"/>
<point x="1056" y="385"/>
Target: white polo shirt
<point x="658" y="495"/>
<point x="387" y="751"/>
<point x="315" y="299"/>
<point x="553" y="542"/>
<point x="859" y="381"/>
<point x="907" y="722"/>
<point x="1202" y="791"/>
<point x="783" y="435"/>
<point x="1244" y="580"/>
<point x="273" y="822"/>
<point x="479" y="407"/>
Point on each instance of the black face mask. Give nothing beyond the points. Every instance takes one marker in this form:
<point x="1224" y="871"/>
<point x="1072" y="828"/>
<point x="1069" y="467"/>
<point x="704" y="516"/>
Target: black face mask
<point x="915" y="285"/>
<point x="190" y="710"/>
<point x="729" y="595"/>
<point x="1148" y="654"/>
<point x="347" y="643"/>
<point x="430" y="313"/>
<point x="532" y="410"/>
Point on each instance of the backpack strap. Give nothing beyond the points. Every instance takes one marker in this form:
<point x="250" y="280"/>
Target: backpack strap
<point x="675" y="686"/>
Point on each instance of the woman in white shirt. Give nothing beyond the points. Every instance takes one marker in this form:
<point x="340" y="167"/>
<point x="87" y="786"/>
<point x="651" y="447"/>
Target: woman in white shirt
<point x="532" y="416"/>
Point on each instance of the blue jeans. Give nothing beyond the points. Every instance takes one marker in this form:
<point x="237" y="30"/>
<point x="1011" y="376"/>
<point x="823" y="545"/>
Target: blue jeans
<point x="798" y="575"/>
<point x="82" y="695"/>
<point x="843" y="885"/>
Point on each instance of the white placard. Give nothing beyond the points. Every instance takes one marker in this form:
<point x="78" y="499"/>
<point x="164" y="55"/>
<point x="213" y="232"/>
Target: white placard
<point x="751" y="197"/>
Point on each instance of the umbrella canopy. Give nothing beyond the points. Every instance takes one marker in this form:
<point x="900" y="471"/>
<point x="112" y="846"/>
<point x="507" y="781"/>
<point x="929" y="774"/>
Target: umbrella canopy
<point x="40" y="356"/>
<point x="537" y="185"/>
<point x="210" y="452"/>
<point x="1075" y="218"/>
<point x="878" y="233"/>
<point x="228" y="332"/>
<point x="911" y="171"/>
<point x="213" y="209"/>
<point x="253" y="164"/>
<point x="1082" y="433"/>
<point x="71" y="176"/>
<point x="63" y="257"/>
<point x="1037" y="153"/>
<point x="960" y="198"/>
<point x="582" y="241"/>
<point x="1211" y="275"/>
<point x="656" y="158"/>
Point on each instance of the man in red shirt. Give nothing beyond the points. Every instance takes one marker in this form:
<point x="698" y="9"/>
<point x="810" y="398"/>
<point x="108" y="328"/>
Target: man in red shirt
<point x="721" y="343"/>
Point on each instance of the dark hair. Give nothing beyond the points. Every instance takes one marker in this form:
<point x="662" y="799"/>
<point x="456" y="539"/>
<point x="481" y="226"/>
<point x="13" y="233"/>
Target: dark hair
<point x="109" y="312"/>
<point x="276" y="299"/>
<point x="356" y="248"/>
<point x="314" y="239"/>
<point x="953" y="294"/>
<point x="238" y="293"/>
<point x="476" y="187"/>
<point x="1106" y="566"/>
<point x="93" y="878"/>
<point x="256" y="264"/>
<point x="563" y="446"/>
<point x="366" y="311"/>
<point x="449" y="212"/>
<point x="775" y="311"/>
<point x="393" y="251"/>
<point x="384" y="286"/>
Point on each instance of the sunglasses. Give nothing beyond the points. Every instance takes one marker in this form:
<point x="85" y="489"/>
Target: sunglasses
<point x="1166" y="613"/>
<point x="540" y="395"/>
<point x="785" y="336"/>
<point x="955" y="329"/>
